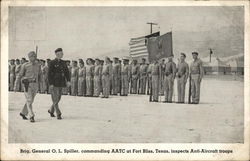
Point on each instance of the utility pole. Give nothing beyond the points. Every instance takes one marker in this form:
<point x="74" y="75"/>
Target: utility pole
<point x="210" y="54"/>
<point x="151" y="26"/>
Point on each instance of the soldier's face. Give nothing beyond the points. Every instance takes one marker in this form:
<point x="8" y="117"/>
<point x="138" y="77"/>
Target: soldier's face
<point x="32" y="58"/>
<point x="194" y="56"/>
<point x="182" y="58"/>
<point x="59" y="54"/>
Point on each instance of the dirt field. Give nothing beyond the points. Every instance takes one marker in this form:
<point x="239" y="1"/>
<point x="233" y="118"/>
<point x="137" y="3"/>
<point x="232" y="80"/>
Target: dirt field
<point x="133" y="119"/>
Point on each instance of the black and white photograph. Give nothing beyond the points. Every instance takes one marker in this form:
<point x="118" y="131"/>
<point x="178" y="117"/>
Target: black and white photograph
<point x="126" y="74"/>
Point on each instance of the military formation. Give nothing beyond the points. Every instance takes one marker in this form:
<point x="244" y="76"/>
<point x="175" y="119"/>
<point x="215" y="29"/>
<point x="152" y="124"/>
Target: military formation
<point x="102" y="78"/>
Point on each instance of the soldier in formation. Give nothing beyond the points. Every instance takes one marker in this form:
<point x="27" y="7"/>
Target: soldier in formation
<point x="106" y="77"/>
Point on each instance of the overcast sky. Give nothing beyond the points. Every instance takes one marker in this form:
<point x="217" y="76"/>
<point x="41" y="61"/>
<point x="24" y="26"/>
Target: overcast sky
<point x="92" y="31"/>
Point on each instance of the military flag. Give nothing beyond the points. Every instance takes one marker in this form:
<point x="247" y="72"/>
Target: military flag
<point x="160" y="47"/>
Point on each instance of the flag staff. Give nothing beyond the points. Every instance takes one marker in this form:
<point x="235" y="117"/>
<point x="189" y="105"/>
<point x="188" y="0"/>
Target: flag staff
<point x="151" y="26"/>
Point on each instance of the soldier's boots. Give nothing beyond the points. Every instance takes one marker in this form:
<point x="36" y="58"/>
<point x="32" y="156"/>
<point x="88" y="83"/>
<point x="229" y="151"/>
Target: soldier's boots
<point x="32" y="119"/>
<point x="59" y="117"/>
<point x="51" y="114"/>
<point x="23" y="116"/>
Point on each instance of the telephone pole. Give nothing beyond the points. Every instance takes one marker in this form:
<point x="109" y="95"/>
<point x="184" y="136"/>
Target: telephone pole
<point x="151" y="26"/>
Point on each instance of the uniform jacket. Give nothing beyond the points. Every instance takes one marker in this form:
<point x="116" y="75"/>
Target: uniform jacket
<point x="58" y="73"/>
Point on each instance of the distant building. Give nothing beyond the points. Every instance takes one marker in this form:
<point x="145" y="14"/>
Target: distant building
<point x="226" y="65"/>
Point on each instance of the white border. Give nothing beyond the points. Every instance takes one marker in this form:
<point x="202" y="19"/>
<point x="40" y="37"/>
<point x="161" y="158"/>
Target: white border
<point x="11" y="151"/>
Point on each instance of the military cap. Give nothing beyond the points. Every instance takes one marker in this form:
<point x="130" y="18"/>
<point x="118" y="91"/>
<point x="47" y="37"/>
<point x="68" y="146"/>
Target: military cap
<point x="115" y="58"/>
<point x="23" y="59"/>
<point x="196" y="53"/>
<point x="58" y="50"/>
<point x="183" y="55"/>
<point x="32" y="53"/>
<point x="17" y="60"/>
<point x="143" y="59"/>
<point x="74" y="61"/>
<point x="12" y="59"/>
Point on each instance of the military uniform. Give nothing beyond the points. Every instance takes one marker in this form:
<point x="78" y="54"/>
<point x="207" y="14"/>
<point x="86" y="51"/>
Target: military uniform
<point x="155" y="74"/>
<point x="73" y="80"/>
<point x="125" y="76"/>
<point x="57" y="76"/>
<point x="169" y="76"/>
<point x="32" y="72"/>
<point x="196" y="71"/>
<point x="44" y="79"/>
<point x="143" y="78"/>
<point x="182" y="76"/>
<point x="106" y="74"/>
<point x="12" y="76"/>
<point x="89" y="80"/>
<point x="97" y="80"/>
<point x="82" y="81"/>
<point x="134" y="78"/>
<point x="115" y="78"/>
<point x="17" y="81"/>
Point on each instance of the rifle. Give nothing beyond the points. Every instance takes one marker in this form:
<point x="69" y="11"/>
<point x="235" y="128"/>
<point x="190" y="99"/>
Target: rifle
<point x="138" y="90"/>
<point x="151" y="90"/>
<point x="189" y="90"/>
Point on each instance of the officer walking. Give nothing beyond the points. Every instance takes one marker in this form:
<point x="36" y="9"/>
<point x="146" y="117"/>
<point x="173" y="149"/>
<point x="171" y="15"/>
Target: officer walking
<point x="58" y="77"/>
<point x="30" y="75"/>
<point x="196" y="73"/>
<point x="169" y="74"/>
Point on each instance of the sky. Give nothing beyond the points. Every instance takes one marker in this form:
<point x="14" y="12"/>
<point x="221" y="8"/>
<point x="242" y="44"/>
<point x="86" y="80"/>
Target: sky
<point x="95" y="31"/>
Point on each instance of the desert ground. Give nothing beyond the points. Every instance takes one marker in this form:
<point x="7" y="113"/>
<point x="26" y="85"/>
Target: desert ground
<point x="219" y="118"/>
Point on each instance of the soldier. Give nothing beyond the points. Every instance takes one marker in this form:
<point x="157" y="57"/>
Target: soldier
<point x="149" y="78"/>
<point x="97" y="78"/>
<point x="74" y="78"/>
<point x="47" y="81"/>
<point x="143" y="76"/>
<point x="30" y="75"/>
<point x="182" y="76"/>
<point x="125" y="77"/>
<point x="119" y="76"/>
<point x="169" y="76"/>
<point x="81" y="79"/>
<point x="111" y="78"/>
<point x="17" y="84"/>
<point x="58" y="77"/>
<point x="101" y="64"/>
<point x="89" y="77"/>
<point x="115" y="76"/>
<point x="23" y="61"/>
<point x="106" y="74"/>
<point x="155" y="71"/>
<point x="12" y="74"/>
<point x="44" y="79"/>
<point x="67" y="90"/>
<point x="196" y="73"/>
<point x="162" y="77"/>
<point x="135" y="76"/>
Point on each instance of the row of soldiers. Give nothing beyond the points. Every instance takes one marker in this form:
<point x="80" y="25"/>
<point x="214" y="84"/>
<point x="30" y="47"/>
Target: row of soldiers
<point x="106" y="77"/>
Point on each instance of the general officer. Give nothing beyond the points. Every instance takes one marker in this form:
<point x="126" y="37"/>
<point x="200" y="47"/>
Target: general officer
<point x="196" y="73"/>
<point x="58" y="77"/>
<point x="30" y="75"/>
